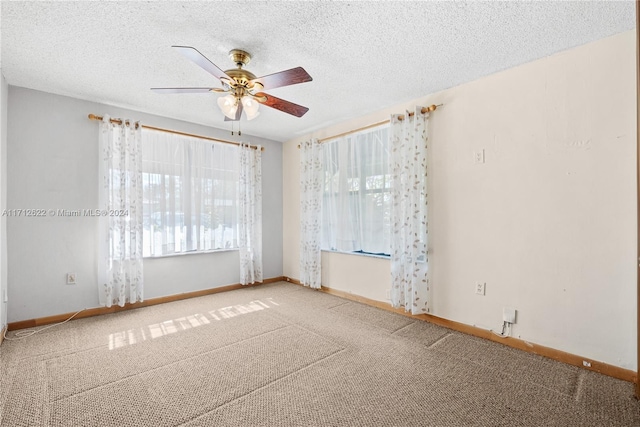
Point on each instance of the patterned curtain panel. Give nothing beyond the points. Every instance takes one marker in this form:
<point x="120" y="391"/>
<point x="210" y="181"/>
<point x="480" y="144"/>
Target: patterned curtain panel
<point x="409" y="261"/>
<point x="311" y="190"/>
<point x="250" y="218"/>
<point x="120" y="262"/>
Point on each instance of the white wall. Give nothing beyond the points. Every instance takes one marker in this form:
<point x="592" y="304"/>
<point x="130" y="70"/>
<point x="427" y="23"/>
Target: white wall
<point x="548" y="222"/>
<point x="3" y="199"/>
<point x="53" y="152"/>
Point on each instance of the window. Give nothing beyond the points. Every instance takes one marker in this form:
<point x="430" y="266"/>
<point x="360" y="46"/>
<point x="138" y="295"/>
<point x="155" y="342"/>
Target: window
<point x="189" y="194"/>
<point x="357" y="193"/>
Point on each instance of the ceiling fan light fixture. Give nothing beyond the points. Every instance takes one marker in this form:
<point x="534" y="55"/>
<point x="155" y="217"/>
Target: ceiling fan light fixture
<point x="253" y="116"/>
<point x="229" y="106"/>
<point x="251" y="107"/>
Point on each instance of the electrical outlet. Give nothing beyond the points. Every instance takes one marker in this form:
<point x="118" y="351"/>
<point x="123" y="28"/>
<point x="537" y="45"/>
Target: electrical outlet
<point x="480" y="288"/>
<point x="388" y="295"/>
<point x="586" y="364"/>
<point x="478" y="156"/>
<point x="5" y="296"/>
<point x="509" y="315"/>
<point x="71" y="278"/>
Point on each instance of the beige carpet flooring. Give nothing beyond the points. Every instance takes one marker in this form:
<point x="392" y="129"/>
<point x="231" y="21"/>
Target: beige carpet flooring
<point x="283" y="355"/>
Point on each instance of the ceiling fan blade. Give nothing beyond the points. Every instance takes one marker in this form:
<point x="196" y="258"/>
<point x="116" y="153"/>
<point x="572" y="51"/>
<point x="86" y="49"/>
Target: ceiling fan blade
<point x="238" y="114"/>
<point x="194" y="55"/>
<point x="282" y="105"/>
<point x="284" y="78"/>
<point x="183" y="89"/>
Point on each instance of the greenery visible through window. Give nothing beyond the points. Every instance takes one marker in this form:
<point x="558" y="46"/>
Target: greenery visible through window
<point x="357" y="193"/>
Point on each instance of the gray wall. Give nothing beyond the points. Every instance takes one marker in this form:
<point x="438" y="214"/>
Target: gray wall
<point x="53" y="152"/>
<point x="3" y="199"/>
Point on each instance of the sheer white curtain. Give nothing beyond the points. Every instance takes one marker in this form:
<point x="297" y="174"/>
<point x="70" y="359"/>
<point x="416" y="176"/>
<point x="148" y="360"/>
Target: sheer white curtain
<point x="250" y="214"/>
<point x="409" y="261"/>
<point x="357" y="187"/>
<point x="190" y="194"/>
<point x="311" y="186"/>
<point x="120" y="275"/>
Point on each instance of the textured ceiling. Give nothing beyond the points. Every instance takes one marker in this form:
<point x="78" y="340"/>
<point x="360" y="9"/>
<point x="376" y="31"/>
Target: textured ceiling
<point x="363" y="56"/>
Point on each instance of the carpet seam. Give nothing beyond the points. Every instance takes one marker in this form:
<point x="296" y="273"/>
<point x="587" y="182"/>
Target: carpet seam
<point x="264" y="386"/>
<point x="82" y="350"/>
<point x="510" y="377"/>
<point x="32" y="359"/>
<point x="46" y="408"/>
<point x="284" y="318"/>
<point x="310" y="331"/>
<point x="579" y="391"/>
<point x="332" y="341"/>
<point x="369" y="323"/>
<point x="337" y="305"/>
<point x="402" y="327"/>
<point x="342" y="301"/>
<point x="67" y="352"/>
<point x="440" y="339"/>
<point x="164" y="366"/>
<point x="433" y="347"/>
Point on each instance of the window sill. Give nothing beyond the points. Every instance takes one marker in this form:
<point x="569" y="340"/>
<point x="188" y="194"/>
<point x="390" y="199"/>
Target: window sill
<point x="212" y="251"/>
<point x="356" y="253"/>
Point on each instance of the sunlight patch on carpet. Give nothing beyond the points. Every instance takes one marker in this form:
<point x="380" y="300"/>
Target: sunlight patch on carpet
<point x="160" y="329"/>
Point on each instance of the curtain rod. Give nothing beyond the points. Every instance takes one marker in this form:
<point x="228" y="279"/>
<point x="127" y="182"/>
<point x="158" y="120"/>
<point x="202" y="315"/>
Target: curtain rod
<point x="401" y="117"/>
<point x="175" y="132"/>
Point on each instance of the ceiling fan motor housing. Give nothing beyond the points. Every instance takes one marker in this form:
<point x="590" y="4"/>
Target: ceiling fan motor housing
<point x="241" y="77"/>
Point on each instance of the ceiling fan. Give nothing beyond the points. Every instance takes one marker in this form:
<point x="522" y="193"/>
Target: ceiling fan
<point x="244" y="89"/>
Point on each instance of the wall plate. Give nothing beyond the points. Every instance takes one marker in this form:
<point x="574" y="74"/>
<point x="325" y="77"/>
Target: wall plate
<point x="509" y="315"/>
